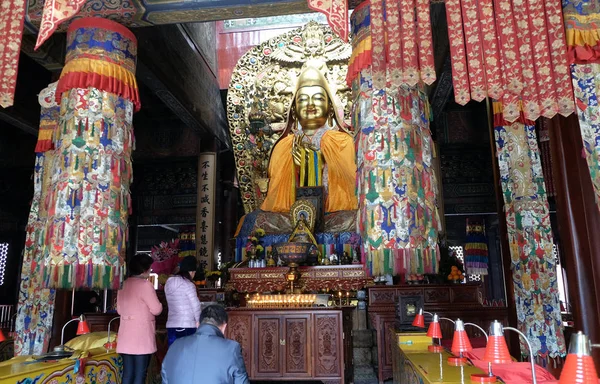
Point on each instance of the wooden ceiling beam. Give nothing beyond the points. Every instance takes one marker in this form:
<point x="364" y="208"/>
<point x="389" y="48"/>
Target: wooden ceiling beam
<point x="12" y="118"/>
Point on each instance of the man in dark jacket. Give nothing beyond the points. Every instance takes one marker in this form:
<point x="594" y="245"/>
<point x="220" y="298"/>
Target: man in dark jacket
<point x="206" y="356"/>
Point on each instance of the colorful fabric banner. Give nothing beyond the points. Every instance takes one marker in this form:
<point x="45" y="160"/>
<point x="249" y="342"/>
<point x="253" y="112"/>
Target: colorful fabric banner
<point x="586" y="83"/>
<point x="530" y="239"/>
<point x="396" y="184"/>
<point x="48" y="119"/>
<point x="400" y="42"/>
<point x="36" y="305"/>
<point x="476" y="249"/>
<point x="336" y="12"/>
<point x="87" y="204"/>
<point x="55" y="13"/>
<point x="12" y="17"/>
<point x="583" y="40"/>
<point x="516" y="54"/>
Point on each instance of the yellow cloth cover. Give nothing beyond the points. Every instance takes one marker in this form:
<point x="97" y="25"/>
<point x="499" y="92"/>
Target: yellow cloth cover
<point x="90" y="341"/>
<point x="339" y="154"/>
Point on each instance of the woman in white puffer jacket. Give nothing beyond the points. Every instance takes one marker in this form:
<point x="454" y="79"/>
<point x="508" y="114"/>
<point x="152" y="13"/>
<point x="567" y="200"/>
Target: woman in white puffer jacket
<point x="182" y="299"/>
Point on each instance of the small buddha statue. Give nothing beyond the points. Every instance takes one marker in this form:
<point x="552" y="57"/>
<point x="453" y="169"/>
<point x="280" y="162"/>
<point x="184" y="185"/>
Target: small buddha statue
<point x="314" y="150"/>
<point x="302" y="233"/>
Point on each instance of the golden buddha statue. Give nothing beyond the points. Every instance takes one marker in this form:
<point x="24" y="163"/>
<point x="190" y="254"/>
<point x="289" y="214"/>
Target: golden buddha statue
<point x="314" y="150"/>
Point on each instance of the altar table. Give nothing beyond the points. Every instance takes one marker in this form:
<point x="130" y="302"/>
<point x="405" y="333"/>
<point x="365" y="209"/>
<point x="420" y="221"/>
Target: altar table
<point x="101" y="367"/>
<point x="414" y="364"/>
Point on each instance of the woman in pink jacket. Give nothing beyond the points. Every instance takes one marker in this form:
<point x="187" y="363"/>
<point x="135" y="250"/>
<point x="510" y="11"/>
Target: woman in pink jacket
<point x="138" y="305"/>
<point x="182" y="299"/>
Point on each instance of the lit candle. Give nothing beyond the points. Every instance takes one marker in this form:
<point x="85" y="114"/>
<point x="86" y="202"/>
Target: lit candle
<point x="340" y="295"/>
<point x="347" y="298"/>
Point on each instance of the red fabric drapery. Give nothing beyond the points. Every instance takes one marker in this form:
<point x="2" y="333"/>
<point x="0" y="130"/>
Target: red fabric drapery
<point x="516" y="54"/>
<point x="394" y="37"/>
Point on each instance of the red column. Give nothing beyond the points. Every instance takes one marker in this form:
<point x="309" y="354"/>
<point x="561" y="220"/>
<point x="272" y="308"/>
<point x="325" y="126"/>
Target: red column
<point x="578" y="225"/>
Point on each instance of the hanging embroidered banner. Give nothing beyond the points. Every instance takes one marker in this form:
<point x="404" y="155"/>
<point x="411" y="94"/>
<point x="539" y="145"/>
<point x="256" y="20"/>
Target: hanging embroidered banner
<point x="205" y="226"/>
<point x="35" y="310"/>
<point x="514" y="54"/>
<point x="583" y="41"/>
<point x="400" y="42"/>
<point x="48" y="119"/>
<point x="476" y="249"/>
<point x="12" y="17"/>
<point x="88" y="201"/>
<point x="586" y="82"/>
<point x="336" y="12"/>
<point x="530" y="239"/>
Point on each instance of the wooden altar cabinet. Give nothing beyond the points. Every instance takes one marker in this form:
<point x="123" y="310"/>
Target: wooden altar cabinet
<point x="462" y="301"/>
<point x="294" y="344"/>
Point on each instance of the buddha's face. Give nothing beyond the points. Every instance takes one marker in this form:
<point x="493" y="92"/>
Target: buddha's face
<point x="312" y="107"/>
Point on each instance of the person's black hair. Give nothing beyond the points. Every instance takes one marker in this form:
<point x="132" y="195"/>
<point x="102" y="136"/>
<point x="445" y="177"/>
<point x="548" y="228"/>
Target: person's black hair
<point x="185" y="274"/>
<point x="214" y="314"/>
<point x="139" y="264"/>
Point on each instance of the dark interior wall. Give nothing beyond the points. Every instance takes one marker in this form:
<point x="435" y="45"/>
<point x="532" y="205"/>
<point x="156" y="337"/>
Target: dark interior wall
<point x="468" y="183"/>
<point x="17" y="143"/>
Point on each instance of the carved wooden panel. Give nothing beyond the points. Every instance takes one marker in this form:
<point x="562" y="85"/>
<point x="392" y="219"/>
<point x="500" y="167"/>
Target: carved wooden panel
<point x="380" y="296"/>
<point x="437" y="295"/>
<point x="239" y="328"/>
<point x="297" y="351"/>
<point x="387" y="326"/>
<point x="461" y="295"/>
<point x="410" y="292"/>
<point x="268" y="346"/>
<point x="328" y="345"/>
<point x="384" y="324"/>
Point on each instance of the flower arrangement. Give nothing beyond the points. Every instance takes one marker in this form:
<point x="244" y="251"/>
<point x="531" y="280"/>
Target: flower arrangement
<point x="254" y="247"/>
<point x="166" y="257"/>
<point x="165" y="250"/>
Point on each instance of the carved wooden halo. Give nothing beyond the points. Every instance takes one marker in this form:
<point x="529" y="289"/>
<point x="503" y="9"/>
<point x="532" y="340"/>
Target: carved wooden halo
<point x="306" y="208"/>
<point x="268" y="72"/>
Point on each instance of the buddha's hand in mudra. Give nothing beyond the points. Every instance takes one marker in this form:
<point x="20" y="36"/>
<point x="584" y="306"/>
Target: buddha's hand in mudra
<point x="299" y="148"/>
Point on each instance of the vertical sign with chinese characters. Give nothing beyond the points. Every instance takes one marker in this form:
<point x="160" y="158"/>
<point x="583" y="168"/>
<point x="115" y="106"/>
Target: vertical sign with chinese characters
<point x="205" y="216"/>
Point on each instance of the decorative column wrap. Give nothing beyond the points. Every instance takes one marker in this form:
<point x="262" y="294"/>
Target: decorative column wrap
<point x="583" y="42"/>
<point x="398" y="215"/>
<point x="530" y="237"/>
<point x="88" y="202"/>
<point x="36" y="305"/>
<point x="396" y="181"/>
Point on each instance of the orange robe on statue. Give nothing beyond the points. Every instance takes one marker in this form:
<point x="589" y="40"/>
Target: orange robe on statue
<point x="338" y="151"/>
